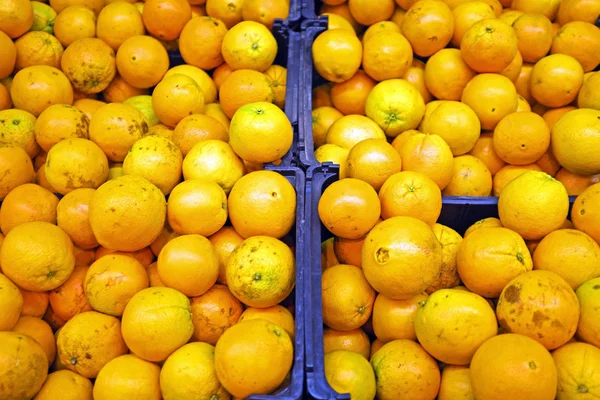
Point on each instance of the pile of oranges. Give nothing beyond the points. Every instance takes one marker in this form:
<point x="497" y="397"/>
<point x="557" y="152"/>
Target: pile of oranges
<point x="435" y="98"/>
<point x="145" y="252"/>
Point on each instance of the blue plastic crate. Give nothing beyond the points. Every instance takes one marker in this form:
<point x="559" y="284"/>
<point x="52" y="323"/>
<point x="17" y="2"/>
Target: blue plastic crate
<point x="310" y="8"/>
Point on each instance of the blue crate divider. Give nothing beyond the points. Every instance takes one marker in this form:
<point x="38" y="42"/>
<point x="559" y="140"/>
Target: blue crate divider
<point x="310" y="8"/>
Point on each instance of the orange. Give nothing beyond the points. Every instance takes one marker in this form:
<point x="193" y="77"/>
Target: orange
<point x="220" y="74"/>
<point x="48" y="246"/>
<point x="36" y="88"/>
<point x="484" y="150"/>
<point x="41" y="332"/>
<point x="144" y="335"/>
<point x="176" y="97"/>
<point x="349" y="97"/>
<point x="523" y="105"/>
<point x="335" y="21"/>
<point x="416" y="77"/>
<point x="448" y="276"/>
<point x="59" y="122"/>
<point x="577" y="367"/>
<point x="76" y="163"/>
<point x="573" y="38"/>
<point x="88" y="341"/>
<point x="386" y="55"/>
<point x="18" y="129"/>
<point x="347" y="297"/>
<point x="119" y="90"/>
<point x="70" y="385"/>
<point x="586" y="212"/>
<point x="35" y="304"/>
<point x="17" y="168"/>
<point x="373" y="161"/>
<point x="277" y="314"/>
<point x="12" y="302"/>
<point x="489" y="45"/>
<point x="127" y="376"/>
<point x="492" y="97"/>
<point x="213" y="313"/>
<point x="509" y="172"/>
<point x="69" y="299"/>
<point x="544" y="8"/>
<point x="142" y="61"/>
<point x="550" y="321"/>
<point x="517" y="359"/>
<point x="428" y="35"/>
<point x="447" y="74"/>
<point x="55" y="323"/>
<point x="161" y="130"/>
<point x="225" y="241"/>
<point x="348" y="372"/>
<point x="16" y="17"/>
<point x="88" y="106"/>
<point x="94" y="5"/>
<point x="401" y="257"/>
<point x="265" y="11"/>
<point x="215" y="111"/>
<point x="588" y="95"/>
<point x="5" y="100"/>
<point x="578" y="10"/>
<point x="228" y="11"/>
<point x="368" y="13"/>
<point x="394" y="319"/>
<point x="321" y="96"/>
<point x="144" y="256"/>
<point x="349" y="208"/>
<point x="556" y="80"/>
<point x="430" y="155"/>
<point x="454" y="122"/>
<point x="260" y="132"/>
<point x="43" y="17"/>
<point x="165" y="19"/>
<point x="324" y="117"/>
<point x="387" y="26"/>
<point x="328" y="256"/>
<point x="466" y="14"/>
<point x="456" y="383"/>
<point x="207" y="32"/>
<point x="89" y="64"/>
<point x="574" y="138"/>
<point x="127" y="213"/>
<point x="398" y="15"/>
<point x="38" y="48"/>
<point x="262" y="203"/>
<point x="521" y="138"/>
<point x="74" y="22"/>
<point x="334" y="154"/>
<point x="244" y="87"/>
<point x="72" y="217"/>
<point x="569" y="253"/>
<point x="242" y="346"/>
<point x="402" y="366"/>
<point x="513" y="70"/>
<point x="118" y="22"/>
<point x="249" y="45"/>
<point x="277" y="76"/>
<point x="27" y="203"/>
<point x="489" y="258"/>
<point x="337" y="54"/>
<point x="462" y="310"/>
<point x="523" y="83"/>
<point x="349" y="130"/>
<point x="574" y="183"/>
<point x="197" y="128"/>
<point x="355" y="340"/>
<point x="534" y="35"/>
<point x="343" y="10"/>
<point x="588" y="329"/>
<point x="24" y="366"/>
<point x="387" y="106"/>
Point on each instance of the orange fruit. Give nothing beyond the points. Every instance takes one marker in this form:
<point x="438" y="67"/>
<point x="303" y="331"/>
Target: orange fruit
<point x="401" y="257"/>
<point x="343" y="10"/>
<point x="321" y="96"/>
<point x="517" y="359"/>
<point x="554" y="319"/>
<point x="349" y="97"/>
<point x="26" y="358"/>
<point x="573" y="38"/>
<point x="208" y="32"/>
<point x="89" y="63"/>
<point x="119" y="90"/>
<point x="509" y="172"/>
<point x="334" y="154"/>
<point x="411" y="194"/>
<point x="513" y="70"/>
<point x="213" y="313"/>
<point x="398" y="15"/>
<point x="12" y="301"/>
<point x="228" y="11"/>
<point x="41" y="332"/>
<point x="69" y="299"/>
<point x="489" y="258"/>
<point x="345" y="198"/>
<point x="521" y="138"/>
<point x="373" y="161"/>
<point x="243" y="87"/>
<point x="277" y="314"/>
<point x="523" y="105"/>
<point x="35" y="304"/>
<point x="58" y="122"/>
<point x="176" y="97"/>
<point x="225" y="241"/>
<point x="574" y="137"/>
<point x="7" y="65"/>
<point x="466" y="14"/>
<point x="142" y="61"/>
<point x="165" y="19"/>
<point x="5" y="100"/>
<point x="265" y="11"/>
<point x="259" y="340"/>
<point x="542" y="203"/>
<point x="523" y="83"/>
<point x="402" y="366"/>
<point x="386" y="55"/>
<point x="323" y="118"/>
<point x="348" y="372"/>
<point x="27" y="203"/>
<point x="220" y="74"/>
<point x="447" y="74"/>
<point x="456" y="383"/>
<point x="88" y="106"/>
<point x="577" y="367"/>
<point x="578" y="10"/>
<point x="264" y="283"/>
<point x="428" y="35"/>
<point x="586" y="212"/>
<point x="148" y="339"/>
<point x="335" y="21"/>
<point x="430" y="155"/>
<point x="249" y="45"/>
<point x="38" y="87"/>
<point x="94" y="5"/>
<point x="347" y="297"/>
<point x="17" y="168"/>
<point x="355" y="340"/>
<point x="367" y="13"/>
<point x="215" y="111"/>
<point x="350" y="130"/>
<point x="144" y="256"/>
<point x="337" y="54"/>
<point x="38" y="48"/>
<point x="127" y="213"/>
<point x="556" y="80"/>
<point x="534" y="35"/>
<point x="416" y="77"/>
<point x="328" y="257"/>
<point x="448" y="276"/>
<point x="55" y="323"/>
<point x="574" y="183"/>
<point x="489" y="45"/>
<point x="588" y="95"/>
<point x="484" y="150"/>
<point x="118" y="22"/>
<point x="197" y="128"/>
<point x="545" y="8"/>
<point x="70" y="385"/>
<point x="492" y="97"/>
<point x="74" y="22"/>
<point x="76" y="163"/>
<point x="72" y="217"/>
<point x="387" y="26"/>
<point x="588" y="329"/>
<point x="16" y="17"/>
<point x="460" y="309"/>
<point x="394" y="319"/>
<point x="127" y="375"/>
